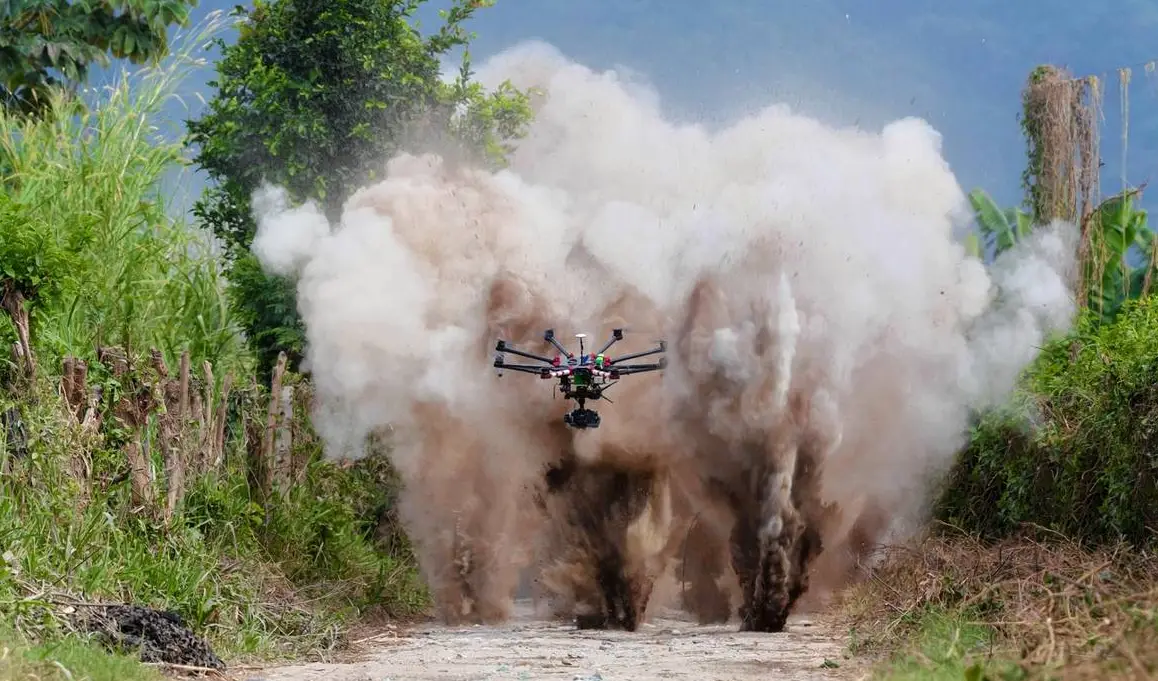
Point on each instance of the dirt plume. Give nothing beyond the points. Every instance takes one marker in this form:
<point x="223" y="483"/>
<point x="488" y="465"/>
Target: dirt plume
<point x="828" y="335"/>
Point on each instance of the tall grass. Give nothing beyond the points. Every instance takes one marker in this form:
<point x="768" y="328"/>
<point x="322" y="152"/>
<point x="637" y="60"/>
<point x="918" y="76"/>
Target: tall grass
<point x="88" y="178"/>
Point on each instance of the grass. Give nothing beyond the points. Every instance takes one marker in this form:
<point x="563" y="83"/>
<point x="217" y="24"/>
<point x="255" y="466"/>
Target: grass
<point x="88" y="236"/>
<point x="944" y="647"/>
<point x="1024" y="608"/>
<point x="67" y="660"/>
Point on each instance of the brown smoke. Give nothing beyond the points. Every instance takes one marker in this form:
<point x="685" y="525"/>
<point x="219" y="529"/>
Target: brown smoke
<point x="827" y="340"/>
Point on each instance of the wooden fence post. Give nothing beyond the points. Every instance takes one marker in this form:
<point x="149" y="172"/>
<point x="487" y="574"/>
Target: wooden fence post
<point x="283" y="447"/>
<point x="12" y="301"/>
<point x="81" y="405"/>
<point x="218" y="449"/>
<point x="268" y="463"/>
<point x="174" y="397"/>
<point x="131" y="410"/>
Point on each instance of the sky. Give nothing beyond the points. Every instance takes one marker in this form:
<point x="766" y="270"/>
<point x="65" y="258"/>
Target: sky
<point x="959" y="65"/>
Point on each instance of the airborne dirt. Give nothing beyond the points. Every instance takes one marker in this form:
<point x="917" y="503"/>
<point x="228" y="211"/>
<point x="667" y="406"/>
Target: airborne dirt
<point x="528" y="648"/>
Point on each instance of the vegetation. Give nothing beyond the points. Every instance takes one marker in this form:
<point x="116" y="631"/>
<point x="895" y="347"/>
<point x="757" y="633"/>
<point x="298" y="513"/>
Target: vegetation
<point x="954" y="607"/>
<point x="154" y="442"/>
<point x="155" y="448"/>
<point x="1070" y="451"/>
<point x="124" y="481"/>
<point x="1084" y="468"/>
<point x="47" y="44"/>
<point x="1044" y="570"/>
<point x="66" y="660"/>
<point x="90" y="253"/>
<point x="312" y="97"/>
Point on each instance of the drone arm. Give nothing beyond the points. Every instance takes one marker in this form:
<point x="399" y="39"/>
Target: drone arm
<point x="616" y="335"/>
<point x="549" y="336"/>
<point x="525" y="368"/>
<point x="662" y="348"/>
<point x="501" y="346"/>
<point x="625" y="369"/>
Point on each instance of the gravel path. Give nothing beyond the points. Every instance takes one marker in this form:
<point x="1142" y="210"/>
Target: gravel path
<point x="526" y="649"/>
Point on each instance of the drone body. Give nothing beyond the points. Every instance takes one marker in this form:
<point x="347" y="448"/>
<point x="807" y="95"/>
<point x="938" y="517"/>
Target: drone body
<point x="581" y="377"/>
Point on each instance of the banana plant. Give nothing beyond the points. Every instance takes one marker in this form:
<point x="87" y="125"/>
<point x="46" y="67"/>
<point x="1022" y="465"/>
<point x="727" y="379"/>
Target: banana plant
<point x="1000" y="229"/>
<point x="1114" y="228"/>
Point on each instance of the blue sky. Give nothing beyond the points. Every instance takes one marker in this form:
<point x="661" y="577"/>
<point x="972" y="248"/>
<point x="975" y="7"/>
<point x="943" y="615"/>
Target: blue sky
<point x="960" y="65"/>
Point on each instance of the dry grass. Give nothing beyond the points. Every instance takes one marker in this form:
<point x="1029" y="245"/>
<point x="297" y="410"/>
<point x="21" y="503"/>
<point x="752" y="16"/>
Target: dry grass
<point x="1055" y="609"/>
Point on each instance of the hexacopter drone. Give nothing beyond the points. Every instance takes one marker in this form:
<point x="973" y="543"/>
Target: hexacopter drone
<point x="583" y="377"/>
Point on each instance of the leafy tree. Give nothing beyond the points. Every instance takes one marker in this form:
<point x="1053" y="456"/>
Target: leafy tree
<point x="315" y="96"/>
<point x="41" y="37"/>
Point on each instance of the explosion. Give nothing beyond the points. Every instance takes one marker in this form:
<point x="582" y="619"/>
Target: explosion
<point x="828" y="337"/>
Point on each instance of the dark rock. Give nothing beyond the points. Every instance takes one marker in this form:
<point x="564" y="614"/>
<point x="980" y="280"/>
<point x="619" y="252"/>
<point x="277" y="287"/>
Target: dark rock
<point x="161" y="636"/>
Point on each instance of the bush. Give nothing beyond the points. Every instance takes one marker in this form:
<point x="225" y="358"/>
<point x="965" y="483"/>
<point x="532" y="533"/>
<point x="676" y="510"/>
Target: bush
<point x="1076" y="451"/>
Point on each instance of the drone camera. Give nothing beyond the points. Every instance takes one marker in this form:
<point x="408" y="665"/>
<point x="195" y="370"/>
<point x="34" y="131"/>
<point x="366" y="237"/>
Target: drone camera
<point x="581" y="418"/>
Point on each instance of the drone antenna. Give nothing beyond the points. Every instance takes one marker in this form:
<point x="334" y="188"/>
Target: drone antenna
<point x="580" y="336"/>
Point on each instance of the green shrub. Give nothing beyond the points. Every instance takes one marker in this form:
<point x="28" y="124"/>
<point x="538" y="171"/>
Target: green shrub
<point x="1077" y="449"/>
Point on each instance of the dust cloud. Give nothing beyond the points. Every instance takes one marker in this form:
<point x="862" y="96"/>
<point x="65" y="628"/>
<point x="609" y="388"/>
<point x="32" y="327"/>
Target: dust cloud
<point x="828" y="342"/>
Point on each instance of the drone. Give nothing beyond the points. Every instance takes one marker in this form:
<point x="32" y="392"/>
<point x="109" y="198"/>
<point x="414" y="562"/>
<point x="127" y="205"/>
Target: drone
<point x="581" y="377"/>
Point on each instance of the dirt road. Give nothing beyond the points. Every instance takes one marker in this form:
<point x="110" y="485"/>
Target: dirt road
<point x="669" y="648"/>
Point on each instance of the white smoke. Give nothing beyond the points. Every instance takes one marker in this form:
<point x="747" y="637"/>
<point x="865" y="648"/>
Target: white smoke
<point x="842" y="237"/>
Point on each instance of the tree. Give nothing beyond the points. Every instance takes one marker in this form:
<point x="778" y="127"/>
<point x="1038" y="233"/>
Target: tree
<point x="40" y="38"/>
<point x="315" y="96"/>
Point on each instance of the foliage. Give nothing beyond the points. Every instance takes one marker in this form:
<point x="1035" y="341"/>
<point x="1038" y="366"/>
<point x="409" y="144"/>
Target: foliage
<point x="1000" y="229"/>
<point x="84" y="228"/>
<point x="1115" y="230"/>
<point x="315" y="96"/>
<point x="40" y="38"/>
<point x="1085" y="468"/>
<point x="236" y="572"/>
<point x="35" y="258"/>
